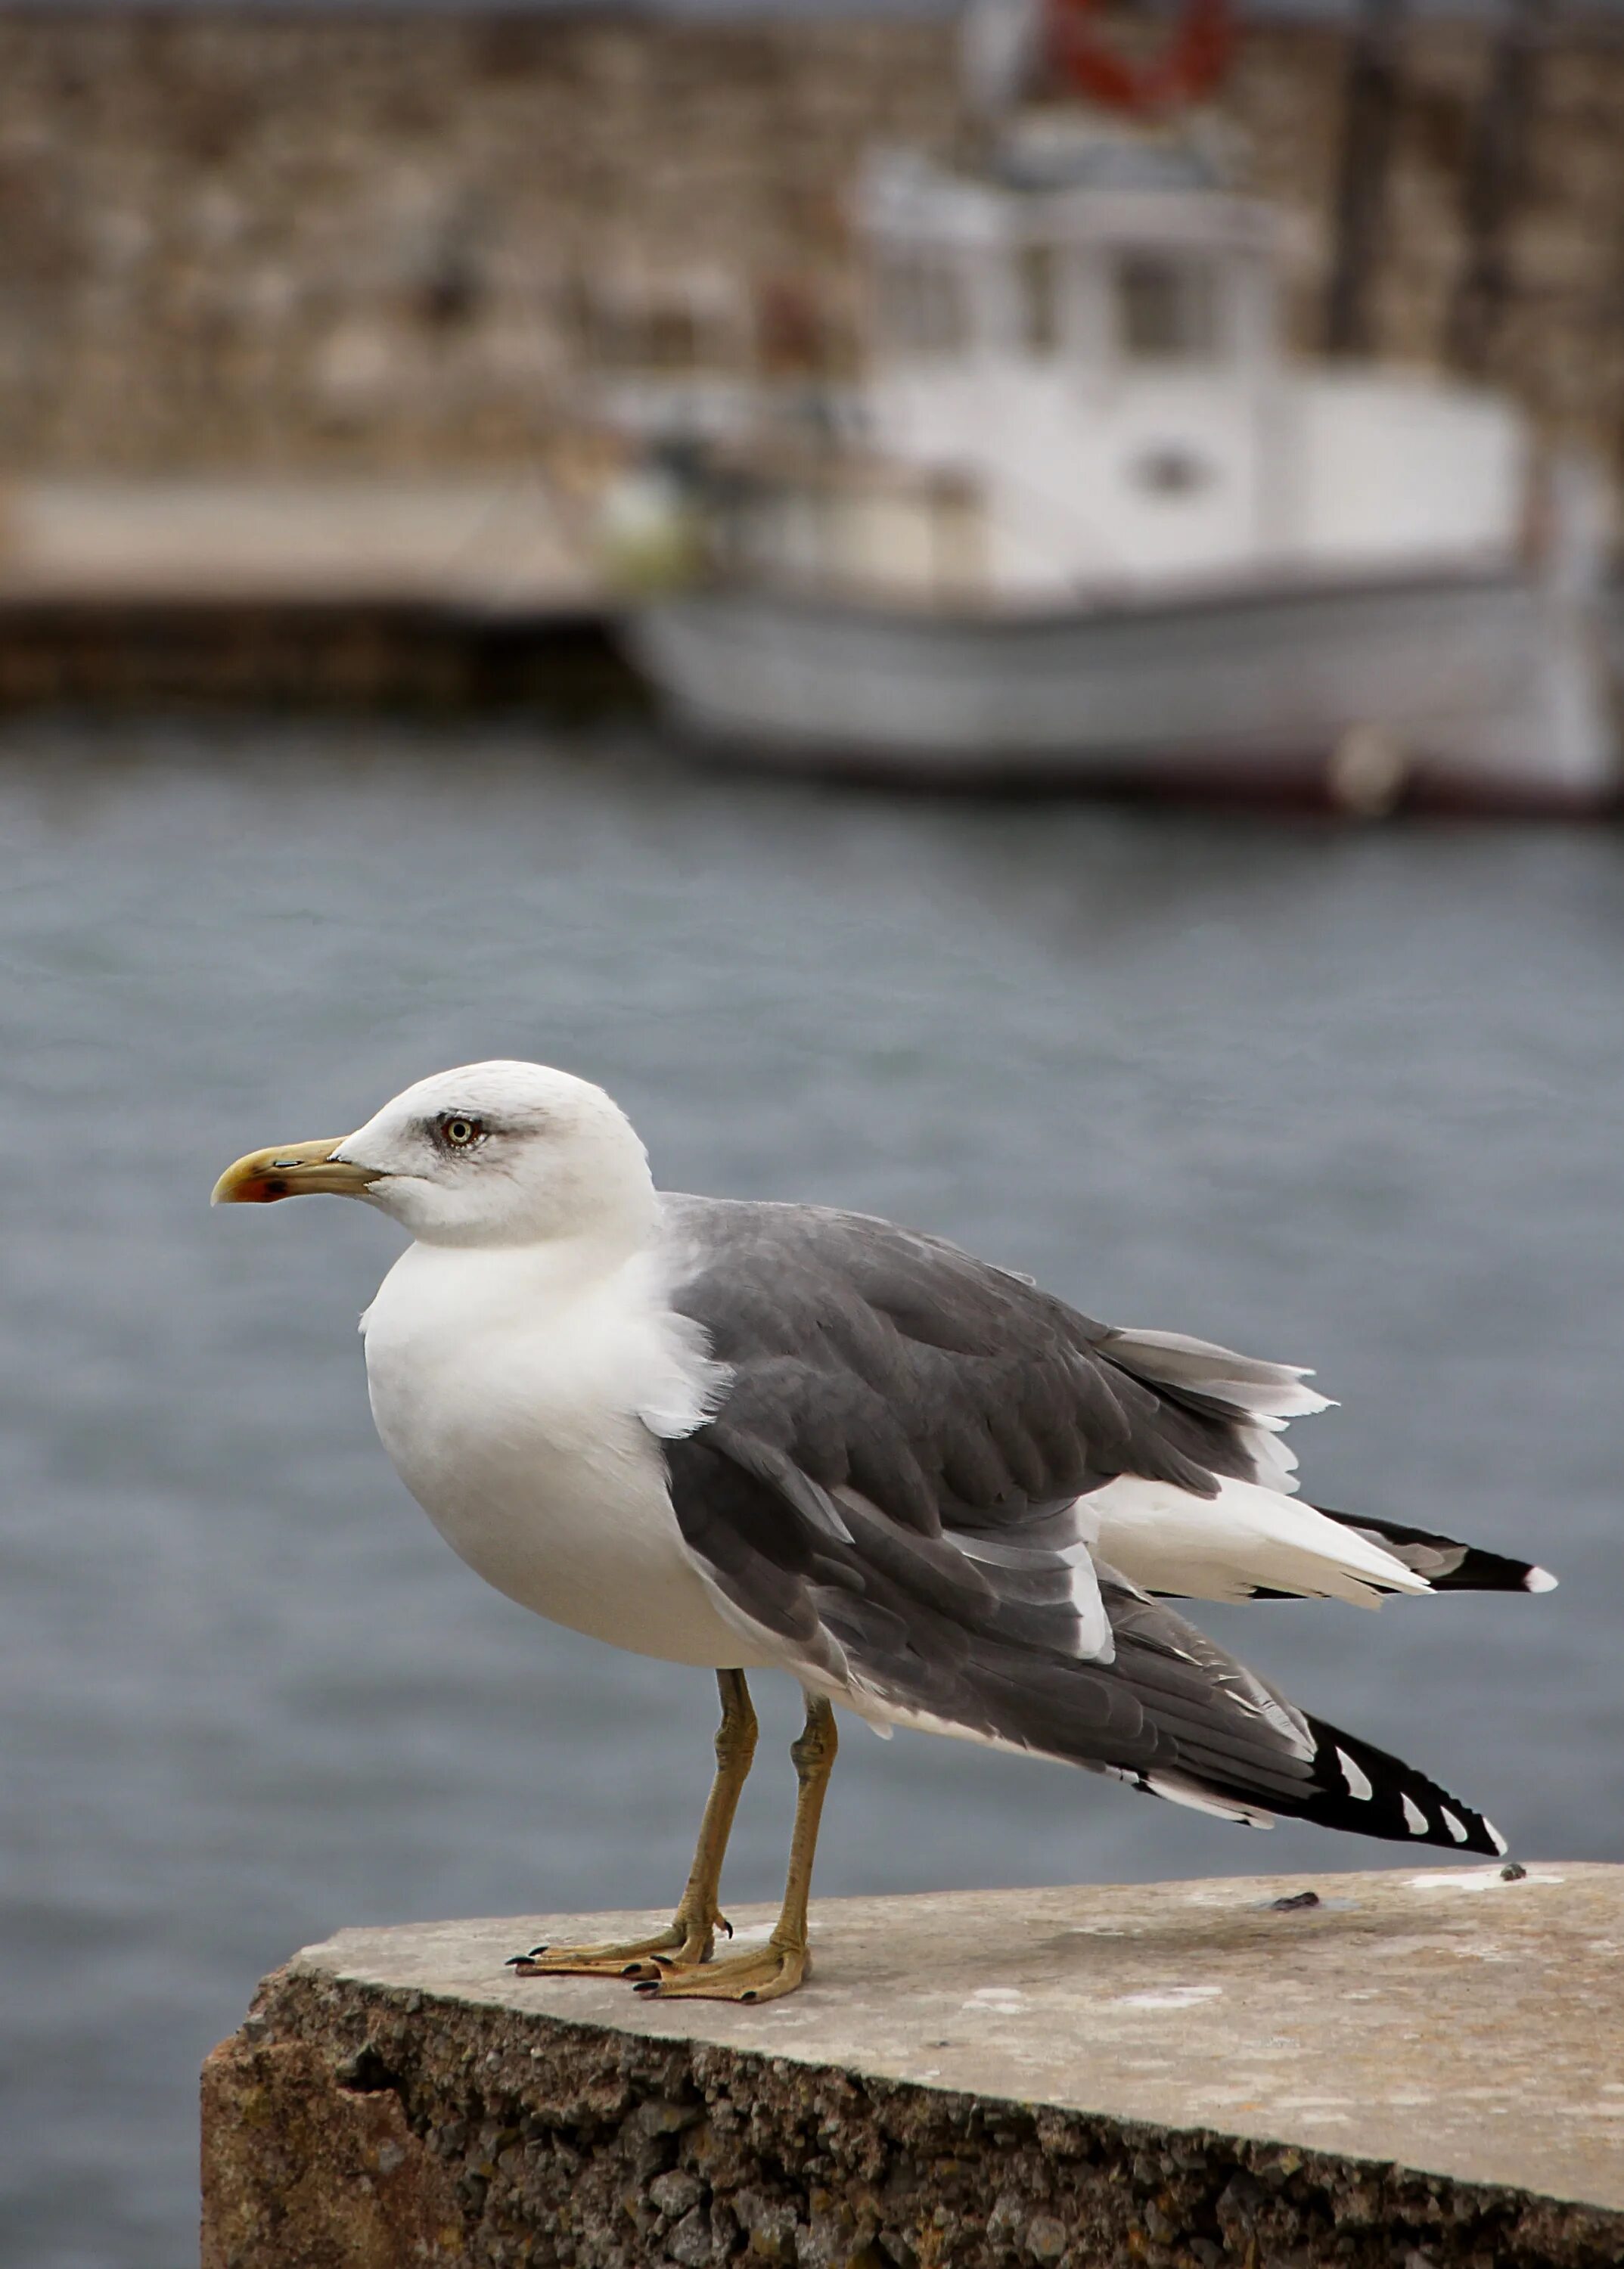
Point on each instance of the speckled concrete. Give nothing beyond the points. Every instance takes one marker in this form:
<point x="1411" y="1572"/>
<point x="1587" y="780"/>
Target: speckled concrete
<point x="1430" y="2061"/>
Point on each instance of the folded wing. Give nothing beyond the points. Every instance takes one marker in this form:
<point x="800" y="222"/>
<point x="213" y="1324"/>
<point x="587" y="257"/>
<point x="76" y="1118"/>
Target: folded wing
<point x="904" y="1490"/>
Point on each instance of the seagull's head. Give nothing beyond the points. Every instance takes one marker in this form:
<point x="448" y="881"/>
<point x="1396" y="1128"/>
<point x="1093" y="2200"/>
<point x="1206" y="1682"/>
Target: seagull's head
<point x="493" y="1154"/>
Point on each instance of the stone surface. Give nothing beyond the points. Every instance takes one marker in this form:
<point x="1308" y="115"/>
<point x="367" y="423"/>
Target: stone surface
<point x="497" y="543"/>
<point x="1422" y="2066"/>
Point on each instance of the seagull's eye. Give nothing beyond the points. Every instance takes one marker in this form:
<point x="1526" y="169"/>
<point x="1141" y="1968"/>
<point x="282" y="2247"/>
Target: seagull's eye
<point x="462" y="1134"/>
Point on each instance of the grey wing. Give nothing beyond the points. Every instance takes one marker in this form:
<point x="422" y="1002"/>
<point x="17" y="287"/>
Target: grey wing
<point x="891" y="1490"/>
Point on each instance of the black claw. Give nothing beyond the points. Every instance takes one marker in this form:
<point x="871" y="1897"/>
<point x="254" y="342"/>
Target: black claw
<point x="648" y="1985"/>
<point x="722" y="1923"/>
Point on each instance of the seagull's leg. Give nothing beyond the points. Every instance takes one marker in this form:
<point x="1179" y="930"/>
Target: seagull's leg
<point x="778" y="1967"/>
<point x="692" y="1931"/>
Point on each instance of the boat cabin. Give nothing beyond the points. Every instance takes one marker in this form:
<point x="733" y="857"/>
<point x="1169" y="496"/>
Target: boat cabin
<point x="1090" y="332"/>
<point x="1075" y="383"/>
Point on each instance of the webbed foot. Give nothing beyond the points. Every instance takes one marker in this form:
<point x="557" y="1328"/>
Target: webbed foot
<point x="763" y="1974"/>
<point x="682" y="1942"/>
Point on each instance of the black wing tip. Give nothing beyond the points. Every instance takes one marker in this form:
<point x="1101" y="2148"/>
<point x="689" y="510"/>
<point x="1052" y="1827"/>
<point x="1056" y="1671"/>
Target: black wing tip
<point x="1448" y="1565"/>
<point x="1363" y="1789"/>
<point x="1494" y="1571"/>
<point x="1479" y="1572"/>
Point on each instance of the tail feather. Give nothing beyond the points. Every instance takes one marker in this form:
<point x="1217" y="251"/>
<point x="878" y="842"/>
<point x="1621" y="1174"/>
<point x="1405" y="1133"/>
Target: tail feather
<point x="1241" y="1542"/>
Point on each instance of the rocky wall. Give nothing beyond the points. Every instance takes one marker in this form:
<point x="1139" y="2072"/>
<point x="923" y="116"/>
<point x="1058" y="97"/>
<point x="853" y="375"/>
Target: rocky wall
<point x="344" y="2130"/>
<point x="249" y="240"/>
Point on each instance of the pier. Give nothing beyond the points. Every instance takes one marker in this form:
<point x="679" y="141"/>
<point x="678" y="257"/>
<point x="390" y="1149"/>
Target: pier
<point x="427" y="595"/>
<point x="1414" y="2068"/>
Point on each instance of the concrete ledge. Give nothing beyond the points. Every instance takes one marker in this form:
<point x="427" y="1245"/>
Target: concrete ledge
<point x="1420" y="2071"/>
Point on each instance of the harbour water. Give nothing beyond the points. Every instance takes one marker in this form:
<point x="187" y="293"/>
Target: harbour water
<point x="1352" y="1098"/>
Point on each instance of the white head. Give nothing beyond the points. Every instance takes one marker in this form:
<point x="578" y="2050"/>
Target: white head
<point x="494" y="1154"/>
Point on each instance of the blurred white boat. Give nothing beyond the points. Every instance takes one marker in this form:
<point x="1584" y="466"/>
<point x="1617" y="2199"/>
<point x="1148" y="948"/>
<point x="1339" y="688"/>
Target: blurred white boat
<point x="1085" y="520"/>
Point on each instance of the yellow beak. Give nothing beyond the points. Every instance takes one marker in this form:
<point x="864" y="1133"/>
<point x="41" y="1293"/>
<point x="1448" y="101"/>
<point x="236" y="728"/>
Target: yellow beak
<point x="293" y="1169"/>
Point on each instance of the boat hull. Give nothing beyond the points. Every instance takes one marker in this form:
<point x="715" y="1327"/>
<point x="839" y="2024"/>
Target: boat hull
<point x="1485" y="689"/>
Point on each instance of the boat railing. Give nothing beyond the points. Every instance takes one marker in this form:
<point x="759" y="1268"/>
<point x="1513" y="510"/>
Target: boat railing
<point x="791" y="514"/>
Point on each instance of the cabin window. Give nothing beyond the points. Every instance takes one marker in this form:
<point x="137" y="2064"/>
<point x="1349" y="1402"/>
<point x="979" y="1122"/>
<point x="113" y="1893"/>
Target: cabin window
<point x="1167" y="310"/>
<point x="922" y="307"/>
<point x="1169" y="470"/>
<point x="1039" y="273"/>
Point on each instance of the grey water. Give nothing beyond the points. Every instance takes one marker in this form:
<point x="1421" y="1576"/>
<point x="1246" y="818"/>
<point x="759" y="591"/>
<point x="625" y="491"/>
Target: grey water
<point x="1351" y="1098"/>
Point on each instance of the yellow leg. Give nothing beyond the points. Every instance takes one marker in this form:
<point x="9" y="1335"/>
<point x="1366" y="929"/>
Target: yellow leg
<point x="779" y="1966"/>
<point x="692" y="1932"/>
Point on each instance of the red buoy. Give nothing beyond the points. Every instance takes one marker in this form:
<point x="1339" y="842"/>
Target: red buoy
<point x="1188" y="67"/>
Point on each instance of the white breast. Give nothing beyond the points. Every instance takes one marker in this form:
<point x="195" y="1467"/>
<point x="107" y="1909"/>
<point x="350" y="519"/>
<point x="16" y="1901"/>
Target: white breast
<point x="507" y="1393"/>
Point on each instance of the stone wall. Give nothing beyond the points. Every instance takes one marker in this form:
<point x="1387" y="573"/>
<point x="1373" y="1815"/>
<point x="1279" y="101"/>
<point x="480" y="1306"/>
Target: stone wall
<point x="253" y="241"/>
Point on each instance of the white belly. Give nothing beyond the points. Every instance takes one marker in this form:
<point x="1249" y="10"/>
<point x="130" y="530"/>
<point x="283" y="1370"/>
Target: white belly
<point x="506" y="1422"/>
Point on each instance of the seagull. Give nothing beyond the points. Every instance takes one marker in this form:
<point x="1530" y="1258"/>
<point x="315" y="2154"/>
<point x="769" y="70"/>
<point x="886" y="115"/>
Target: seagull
<point x="750" y="1436"/>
